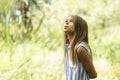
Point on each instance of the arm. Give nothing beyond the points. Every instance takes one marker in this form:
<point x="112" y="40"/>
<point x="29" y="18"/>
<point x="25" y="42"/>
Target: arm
<point x="87" y="62"/>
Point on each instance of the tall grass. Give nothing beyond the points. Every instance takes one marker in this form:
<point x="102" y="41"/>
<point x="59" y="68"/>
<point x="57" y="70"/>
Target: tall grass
<point x="33" y="61"/>
<point x="41" y="57"/>
<point x="28" y="61"/>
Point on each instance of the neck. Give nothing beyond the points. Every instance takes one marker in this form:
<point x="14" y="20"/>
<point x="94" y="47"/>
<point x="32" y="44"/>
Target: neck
<point x="70" y="37"/>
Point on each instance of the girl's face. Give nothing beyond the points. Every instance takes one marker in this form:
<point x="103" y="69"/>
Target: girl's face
<point x="69" y="26"/>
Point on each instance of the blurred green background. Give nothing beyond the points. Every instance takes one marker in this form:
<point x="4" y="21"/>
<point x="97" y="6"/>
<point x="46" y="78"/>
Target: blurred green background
<point x="31" y="37"/>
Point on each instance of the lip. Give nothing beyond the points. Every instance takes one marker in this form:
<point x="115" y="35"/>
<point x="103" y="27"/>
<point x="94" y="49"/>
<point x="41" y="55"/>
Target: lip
<point x="65" y="26"/>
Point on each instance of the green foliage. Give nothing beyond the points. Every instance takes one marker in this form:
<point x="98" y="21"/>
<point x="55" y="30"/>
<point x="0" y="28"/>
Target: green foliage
<point x="38" y="54"/>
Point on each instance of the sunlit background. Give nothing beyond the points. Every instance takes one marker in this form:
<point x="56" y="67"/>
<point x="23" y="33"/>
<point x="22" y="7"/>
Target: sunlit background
<point x="31" y="37"/>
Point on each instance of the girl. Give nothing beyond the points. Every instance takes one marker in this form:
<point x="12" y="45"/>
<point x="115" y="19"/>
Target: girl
<point x="78" y="54"/>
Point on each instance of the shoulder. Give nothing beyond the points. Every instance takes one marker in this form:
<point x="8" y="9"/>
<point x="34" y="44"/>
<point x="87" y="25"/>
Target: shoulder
<point x="83" y="44"/>
<point x="81" y="50"/>
<point x="82" y="47"/>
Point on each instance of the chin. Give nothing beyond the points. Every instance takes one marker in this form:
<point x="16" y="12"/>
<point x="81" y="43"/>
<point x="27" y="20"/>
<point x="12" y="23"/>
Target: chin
<point x="65" y="31"/>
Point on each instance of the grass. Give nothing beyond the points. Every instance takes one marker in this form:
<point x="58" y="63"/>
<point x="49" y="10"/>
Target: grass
<point x="28" y="61"/>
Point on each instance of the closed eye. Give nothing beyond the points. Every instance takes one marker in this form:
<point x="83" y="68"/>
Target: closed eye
<point x="66" y="21"/>
<point x="71" y="20"/>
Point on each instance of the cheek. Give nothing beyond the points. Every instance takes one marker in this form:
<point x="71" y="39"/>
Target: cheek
<point x="72" y="27"/>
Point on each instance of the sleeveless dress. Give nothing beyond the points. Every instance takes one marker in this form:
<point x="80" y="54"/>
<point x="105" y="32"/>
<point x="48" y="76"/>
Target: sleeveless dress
<point x="76" y="72"/>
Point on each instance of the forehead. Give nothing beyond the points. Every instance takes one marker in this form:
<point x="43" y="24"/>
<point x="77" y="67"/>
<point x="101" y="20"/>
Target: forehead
<point x="69" y="18"/>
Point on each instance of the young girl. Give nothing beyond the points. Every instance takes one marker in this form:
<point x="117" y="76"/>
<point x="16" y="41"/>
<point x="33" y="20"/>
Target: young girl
<point x="78" y="54"/>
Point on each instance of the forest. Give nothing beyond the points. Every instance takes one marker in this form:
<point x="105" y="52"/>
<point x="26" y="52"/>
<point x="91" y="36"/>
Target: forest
<point x="32" y="37"/>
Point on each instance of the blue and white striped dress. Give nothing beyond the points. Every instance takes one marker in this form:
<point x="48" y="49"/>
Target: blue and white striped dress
<point x="76" y="72"/>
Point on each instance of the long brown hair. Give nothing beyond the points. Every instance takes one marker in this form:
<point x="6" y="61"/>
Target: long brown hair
<point x="81" y="34"/>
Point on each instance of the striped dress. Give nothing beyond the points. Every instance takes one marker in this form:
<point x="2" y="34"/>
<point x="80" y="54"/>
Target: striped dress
<point x="76" y="72"/>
